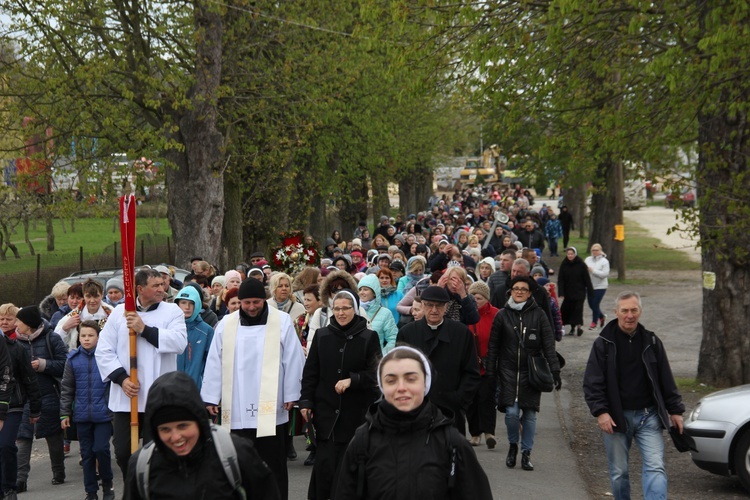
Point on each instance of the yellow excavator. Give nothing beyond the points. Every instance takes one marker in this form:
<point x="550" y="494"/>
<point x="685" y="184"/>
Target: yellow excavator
<point x="488" y="168"/>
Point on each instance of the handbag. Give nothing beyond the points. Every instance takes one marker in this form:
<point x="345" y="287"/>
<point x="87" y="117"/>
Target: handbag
<point x="540" y="376"/>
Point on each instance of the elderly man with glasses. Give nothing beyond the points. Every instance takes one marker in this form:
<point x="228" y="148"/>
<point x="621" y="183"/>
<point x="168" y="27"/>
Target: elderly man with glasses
<point x="449" y="345"/>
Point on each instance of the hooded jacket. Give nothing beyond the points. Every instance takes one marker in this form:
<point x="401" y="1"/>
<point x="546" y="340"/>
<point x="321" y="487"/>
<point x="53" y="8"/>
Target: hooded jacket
<point x="193" y="360"/>
<point x="381" y="318"/>
<point x="599" y="271"/>
<point x="26" y="387"/>
<point x="198" y="475"/>
<point x="408" y="459"/>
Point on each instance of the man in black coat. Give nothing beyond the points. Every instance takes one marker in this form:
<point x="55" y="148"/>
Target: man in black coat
<point x="450" y="348"/>
<point x="531" y="237"/>
<point x="630" y="389"/>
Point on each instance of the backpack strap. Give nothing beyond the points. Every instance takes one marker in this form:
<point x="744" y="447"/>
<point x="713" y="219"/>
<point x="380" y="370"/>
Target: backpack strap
<point x="362" y="440"/>
<point x="452" y="456"/>
<point x="228" y="457"/>
<point x="141" y="469"/>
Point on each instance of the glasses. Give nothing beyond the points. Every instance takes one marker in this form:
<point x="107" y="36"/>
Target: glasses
<point x="428" y="305"/>
<point x="342" y="309"/>
<point x="515" y="289"/>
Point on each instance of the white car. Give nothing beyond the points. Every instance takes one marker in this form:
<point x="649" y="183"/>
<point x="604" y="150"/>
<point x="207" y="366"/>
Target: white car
<point x="720" y="425"/>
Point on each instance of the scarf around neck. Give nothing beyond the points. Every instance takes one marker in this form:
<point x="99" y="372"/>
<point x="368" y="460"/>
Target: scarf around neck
<point x="516" y="306"/>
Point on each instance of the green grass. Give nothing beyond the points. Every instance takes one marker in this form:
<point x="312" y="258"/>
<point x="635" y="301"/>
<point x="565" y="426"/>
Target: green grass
<point x="686" y="385"/>
<point x="645" y="252"/>
<point x="96" y="236"/>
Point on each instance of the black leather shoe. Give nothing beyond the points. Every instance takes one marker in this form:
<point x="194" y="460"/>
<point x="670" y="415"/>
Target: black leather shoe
<point x="21" y="487"/>
<point x="310" y="460"/>
<point x="291" y="453"/>
<point x="58" y="479"/>
<point x="526" y="461"/>
<point x="510" y="461"/>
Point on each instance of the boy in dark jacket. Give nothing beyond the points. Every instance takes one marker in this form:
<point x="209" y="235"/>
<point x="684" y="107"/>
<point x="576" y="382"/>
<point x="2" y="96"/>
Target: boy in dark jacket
<point x="82" y="384"/>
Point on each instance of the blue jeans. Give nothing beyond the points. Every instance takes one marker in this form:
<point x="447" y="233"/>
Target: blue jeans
<point x="645" y="427"/>
<point x="512" y="414"/>
<point x="94" y="441"/>
<point x="595" y="301"/>
<point x="9" y="452"/>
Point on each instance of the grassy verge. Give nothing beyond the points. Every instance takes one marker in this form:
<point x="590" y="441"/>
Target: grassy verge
<point x="691" y="385"/>
<point x="96" y="236"/>
<point x="645" y="252"/>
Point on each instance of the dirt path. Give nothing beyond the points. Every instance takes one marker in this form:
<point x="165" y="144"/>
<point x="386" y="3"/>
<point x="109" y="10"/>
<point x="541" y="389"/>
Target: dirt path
<point x="672" y="304"/>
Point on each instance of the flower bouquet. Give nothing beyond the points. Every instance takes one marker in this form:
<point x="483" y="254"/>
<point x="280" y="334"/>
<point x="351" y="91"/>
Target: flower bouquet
<point x="295" y="253"/>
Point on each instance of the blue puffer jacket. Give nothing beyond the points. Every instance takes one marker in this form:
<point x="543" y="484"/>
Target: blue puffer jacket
<point x="83" y="384"/>
<point x="193" y="360"/>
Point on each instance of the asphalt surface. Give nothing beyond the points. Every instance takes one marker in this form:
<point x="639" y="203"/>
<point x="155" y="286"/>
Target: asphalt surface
<point x="556" y="473"/>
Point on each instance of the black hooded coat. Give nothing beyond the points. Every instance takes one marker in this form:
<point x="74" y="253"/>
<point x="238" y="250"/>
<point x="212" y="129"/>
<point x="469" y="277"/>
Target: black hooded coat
<point x="200" y="474"/>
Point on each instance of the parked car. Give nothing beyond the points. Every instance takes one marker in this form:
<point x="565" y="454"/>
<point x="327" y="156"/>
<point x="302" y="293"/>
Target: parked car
<point x="102" y="275"/>
<point x="720" y="425"/>
<point x="685" y="199"/>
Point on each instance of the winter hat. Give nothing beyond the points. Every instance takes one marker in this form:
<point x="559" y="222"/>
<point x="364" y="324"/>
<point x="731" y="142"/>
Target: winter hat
<point x="397" y="265"/>
<point x="425" y="363"/>
<point x="538" y="270"/>
<point x="231" y="274"/>
<point x="356" y="242"/>
<point x="252" y="289"/>
<point x="219" y="279"/>
<point x="330" y="242"/>
<point x="435" y="294"/>
<point x="481" y="288"/>
<point x="167" y="414"/>
<point x="30" y="316"/>
<point x="358" y="252"/>
<point x="115" y="283"/>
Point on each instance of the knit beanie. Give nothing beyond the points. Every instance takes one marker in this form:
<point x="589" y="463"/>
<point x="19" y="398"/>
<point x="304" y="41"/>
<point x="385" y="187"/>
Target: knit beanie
<point x="232" y="274"/>
<point x="481" y="288"/>
<point x="30" y="316"/>
<point x="167" y="414"/>
<point x="219" y="279"/>
<point x="115" y="283"/>
<point x="538" y="270"/>
<point x="252" y="289"/>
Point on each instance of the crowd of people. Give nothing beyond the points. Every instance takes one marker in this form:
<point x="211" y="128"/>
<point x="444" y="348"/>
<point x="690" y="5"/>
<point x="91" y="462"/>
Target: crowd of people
<point x="383" y="356"/>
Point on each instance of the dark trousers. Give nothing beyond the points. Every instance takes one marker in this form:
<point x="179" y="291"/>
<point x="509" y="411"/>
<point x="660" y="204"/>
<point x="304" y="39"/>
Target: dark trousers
<point x="121" y="439"/>
<point x="482" y="415"/>
<point x="325" y="472"/>
<point x="56" y="456"/>
<point x="9" y="452"/>
<point x="566" y="237"/>
<point x="94" y="441"/>
<point x="272" y="449"/>
<point x="552" y="246"/>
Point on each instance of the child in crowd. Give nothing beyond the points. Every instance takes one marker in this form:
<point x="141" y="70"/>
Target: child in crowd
<point x="24" y="389"/>
<point x="83" y="385"/>
<point x="92" y="308"/>
<point x="200" y="335"/>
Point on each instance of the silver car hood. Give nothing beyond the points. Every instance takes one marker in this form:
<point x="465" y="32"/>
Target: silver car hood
<point x="729" y="405"/>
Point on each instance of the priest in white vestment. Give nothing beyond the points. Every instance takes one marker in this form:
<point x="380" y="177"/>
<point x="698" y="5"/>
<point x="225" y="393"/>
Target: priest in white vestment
<point x="254" y="370"/>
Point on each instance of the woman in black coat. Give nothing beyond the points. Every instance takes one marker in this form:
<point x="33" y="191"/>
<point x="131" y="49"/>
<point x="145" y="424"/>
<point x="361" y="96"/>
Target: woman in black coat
<point x="519" y="329"/>
<point x="573" y="286"/>
<point x="338" y="385"/>
<point x="409" y="449"/>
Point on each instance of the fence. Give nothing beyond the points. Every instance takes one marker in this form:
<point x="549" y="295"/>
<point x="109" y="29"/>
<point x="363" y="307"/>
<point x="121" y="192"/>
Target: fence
<point x="30" y="287"/>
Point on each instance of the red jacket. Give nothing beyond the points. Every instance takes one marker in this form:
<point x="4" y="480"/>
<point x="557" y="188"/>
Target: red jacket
<point x="481" y="331"/>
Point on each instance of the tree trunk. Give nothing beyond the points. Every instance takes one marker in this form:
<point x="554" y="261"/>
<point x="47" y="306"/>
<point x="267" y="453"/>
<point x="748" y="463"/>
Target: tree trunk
<point x="605" y="212"/>
<point x="195" y="182"/>
<point x="50" y="227"/>
<point x="26" y="236"/>
<point x="722" y="176"/>
<point x="415" y="190"/>
<point x="319" y="225"/>
<point x="353" y="205"/>
<point x="381" y="205"/>
<point x="231" y="233"/>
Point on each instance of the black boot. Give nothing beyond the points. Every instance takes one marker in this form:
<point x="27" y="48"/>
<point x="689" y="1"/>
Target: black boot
<point x="526" y="460"/>
<point x="291" y="453"/>
<point x="510" y="460"/>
